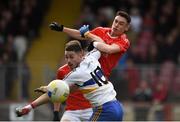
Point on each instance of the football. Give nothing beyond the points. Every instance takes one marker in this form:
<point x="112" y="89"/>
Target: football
<point x="58" y="91"/>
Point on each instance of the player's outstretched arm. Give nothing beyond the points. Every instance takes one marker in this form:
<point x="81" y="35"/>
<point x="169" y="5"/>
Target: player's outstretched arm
<point x="43" y="99"/>
<point x="98" y="43"/>
<point x="69" y="31"/>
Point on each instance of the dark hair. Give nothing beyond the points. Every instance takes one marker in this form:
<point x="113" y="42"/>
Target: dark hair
<point x="73" y="45"/>
<point x="125" y="15"/>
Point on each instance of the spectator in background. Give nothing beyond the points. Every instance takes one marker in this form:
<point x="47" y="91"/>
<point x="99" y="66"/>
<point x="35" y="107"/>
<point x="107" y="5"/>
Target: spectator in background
<point x="132" y="76"/>
<point x="20" y="46"/>
<point x="176" y="85"/>
<point x="25" y="80"/>
<point x="9" y="57"/>
<point x="152" y="54"/>
<point x="136" y="23"/>
<point x="143" y="93"/>
<point x="160" y="94"/>
<point x="19" y="22"/>
<point x="86" y="16"/>
<point x="142" y="97"/>
<point x="105" y="15"/>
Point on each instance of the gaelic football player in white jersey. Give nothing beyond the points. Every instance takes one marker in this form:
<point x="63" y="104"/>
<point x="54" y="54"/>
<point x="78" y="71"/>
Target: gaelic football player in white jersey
<point x="88" y="77"/>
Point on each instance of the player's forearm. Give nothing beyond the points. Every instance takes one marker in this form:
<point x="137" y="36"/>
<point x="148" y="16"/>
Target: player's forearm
<point x="109" y="49"/>
<point x="43" y="99"/>
<point x="73" y="33"/>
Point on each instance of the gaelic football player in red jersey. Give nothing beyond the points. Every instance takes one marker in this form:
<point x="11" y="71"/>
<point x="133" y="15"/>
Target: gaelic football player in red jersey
<point x="115" y="39"/>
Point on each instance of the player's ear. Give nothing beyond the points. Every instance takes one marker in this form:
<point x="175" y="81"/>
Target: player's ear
<point x="81" y="53"/>
<point x="127" y="27"/>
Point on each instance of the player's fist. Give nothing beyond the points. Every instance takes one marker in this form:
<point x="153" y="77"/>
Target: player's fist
<point x="56" y="26"/>
<point x="42" y="89"/>
<point x="84" y="30"/>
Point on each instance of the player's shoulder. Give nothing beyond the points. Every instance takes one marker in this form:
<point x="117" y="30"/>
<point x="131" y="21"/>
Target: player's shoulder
<point x="88" y="60"/>
<point x="101" y="29"/>
<point x="64" y="67"/>
<point x="125" y="38"/>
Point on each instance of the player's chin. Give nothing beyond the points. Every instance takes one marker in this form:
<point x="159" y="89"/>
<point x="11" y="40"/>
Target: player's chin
<point x="72" y="66"/>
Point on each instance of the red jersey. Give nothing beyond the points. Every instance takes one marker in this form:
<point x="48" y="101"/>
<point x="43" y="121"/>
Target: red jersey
<point x="109" y="61"/>
<point x="76" y="100"/>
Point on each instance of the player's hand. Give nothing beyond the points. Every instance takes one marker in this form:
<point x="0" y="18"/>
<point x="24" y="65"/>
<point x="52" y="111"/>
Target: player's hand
<point x="42" y="89"/>
<point x="84" y="30"/>
<point x="56" y="26"/>
<point x="56" y="116"/>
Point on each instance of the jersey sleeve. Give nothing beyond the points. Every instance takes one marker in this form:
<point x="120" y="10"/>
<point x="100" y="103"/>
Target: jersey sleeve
<point x="95" y="53"/>
<point x="62" y="72"/>
<point x="96" y="31"/>
<point x="75" y="77"/>
<point x="124" y="44"/>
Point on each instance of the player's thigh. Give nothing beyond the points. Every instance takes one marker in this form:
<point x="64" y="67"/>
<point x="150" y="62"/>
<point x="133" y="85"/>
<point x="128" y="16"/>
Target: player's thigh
<point x="110" y="111"/>
<point x="71" y="116"/>
<point x="86" y="114"/>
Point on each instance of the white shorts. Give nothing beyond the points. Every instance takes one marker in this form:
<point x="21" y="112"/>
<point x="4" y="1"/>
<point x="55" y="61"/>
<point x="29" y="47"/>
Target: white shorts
<point x="77" y="115"/>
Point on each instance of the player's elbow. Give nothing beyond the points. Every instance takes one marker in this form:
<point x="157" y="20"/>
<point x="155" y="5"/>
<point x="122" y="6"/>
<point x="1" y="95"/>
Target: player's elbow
<point x="111" y="50"/>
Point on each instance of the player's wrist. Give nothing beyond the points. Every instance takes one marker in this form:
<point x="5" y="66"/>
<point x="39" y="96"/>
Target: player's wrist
<point x="61" y="28"/>
<point x="86" y="34"/>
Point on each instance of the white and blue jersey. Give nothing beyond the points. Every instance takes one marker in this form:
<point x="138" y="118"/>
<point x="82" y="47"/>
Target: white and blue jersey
<point x="93" y="84"/>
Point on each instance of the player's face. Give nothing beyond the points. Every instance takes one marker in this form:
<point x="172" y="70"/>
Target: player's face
<point x="73" y="59"/>
<point x="119" y="26"/>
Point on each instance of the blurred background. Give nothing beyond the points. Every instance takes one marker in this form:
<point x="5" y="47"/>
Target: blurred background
<point x="147" y="78"/>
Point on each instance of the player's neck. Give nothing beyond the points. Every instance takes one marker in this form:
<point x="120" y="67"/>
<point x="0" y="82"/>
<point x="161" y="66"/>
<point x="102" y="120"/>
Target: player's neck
<point x="112" y="35"/>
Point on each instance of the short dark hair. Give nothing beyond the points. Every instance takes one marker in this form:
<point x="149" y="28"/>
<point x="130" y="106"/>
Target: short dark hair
<point x="124" y="14"/>
<point x="73" y="45"/>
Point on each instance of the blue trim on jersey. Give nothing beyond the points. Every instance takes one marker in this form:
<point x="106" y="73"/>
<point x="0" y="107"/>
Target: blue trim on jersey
<point x="110" y="111"/>
<point x="89" y="82"/>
